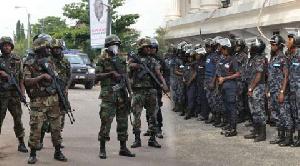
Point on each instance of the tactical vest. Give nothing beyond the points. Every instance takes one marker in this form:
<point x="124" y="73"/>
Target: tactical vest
<point x="43" y="88"/>
<point x="146" y="81"/>
<point x="108" y="65"/>
<point x="62" y="67"/>
<point x="226" y="67"/>
<point x="14" y="65"/>
<point x="211" y="65"/>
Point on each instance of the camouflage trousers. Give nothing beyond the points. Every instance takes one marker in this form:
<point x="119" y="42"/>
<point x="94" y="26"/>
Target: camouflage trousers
<point x="210" y="95"/>
<point x="108" y="110"/>
<point x="257" y="105"/>
<point x="44" y="108"/>
<point x="144" y="98"/>
<point x="241" y="97"/>
<point x="281" y="112"/>
<point x="179" y="95"/>
<point x="13" y="105"/>
<point x="294" y="99"/>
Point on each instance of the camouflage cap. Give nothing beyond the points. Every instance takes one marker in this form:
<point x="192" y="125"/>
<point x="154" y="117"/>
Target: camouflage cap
<point x="40" y="43"/>
<point x="57" y="43"/>
<point x="6" y="40"/>
<point x="109" y="40"/>
<point x="143" y="42"/>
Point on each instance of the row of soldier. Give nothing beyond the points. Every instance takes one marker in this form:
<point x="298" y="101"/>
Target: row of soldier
<point x="46" y="113"/>
<point x="224" y="83"/>
<point x="123" y="90"/>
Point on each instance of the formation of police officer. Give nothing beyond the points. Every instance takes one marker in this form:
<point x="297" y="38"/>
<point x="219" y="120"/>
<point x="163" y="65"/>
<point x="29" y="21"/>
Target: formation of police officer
<point x="238" y="80"/>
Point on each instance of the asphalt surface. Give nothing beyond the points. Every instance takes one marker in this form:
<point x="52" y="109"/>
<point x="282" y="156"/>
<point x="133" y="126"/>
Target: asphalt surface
<point x="185" y="142"/>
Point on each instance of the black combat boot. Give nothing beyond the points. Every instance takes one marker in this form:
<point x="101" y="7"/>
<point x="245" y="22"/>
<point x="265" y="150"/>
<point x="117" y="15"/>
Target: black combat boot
<point x="232" y="131"/>
<point x="261" y="136"/>
<point x="211" y="120"/>
<point x="253" y="133"/>
<point x="281" y="136"/>
<point x="102" y="153"/>
<point x="124" y="150"/>
<point x="182" y="109"/>
<point x="159" y="134"/>
<point x="288" y="138"/>
<point x="188" y="114"/>
<point x="217" y="119"/>
<point x="22" y="147"/>
<point x="41" y="141"/>
<point x="32" y="158"/>
<point x="297" y="142"/>
<point x="152" y="142"/>
<point x="224" y="121"/>
<point x="58" y="155"/>
<point x="137" y="141"/>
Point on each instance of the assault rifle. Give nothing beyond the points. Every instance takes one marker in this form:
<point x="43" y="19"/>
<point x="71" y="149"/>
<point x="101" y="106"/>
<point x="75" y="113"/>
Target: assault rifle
<point x="145" y="70"/>
<point x="123" y="83"/>
<point x="12" y="82"/>
<point x="55" y="84"/>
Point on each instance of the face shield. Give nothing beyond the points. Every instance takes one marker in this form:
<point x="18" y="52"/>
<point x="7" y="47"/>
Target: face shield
<point x="200" y="51"/>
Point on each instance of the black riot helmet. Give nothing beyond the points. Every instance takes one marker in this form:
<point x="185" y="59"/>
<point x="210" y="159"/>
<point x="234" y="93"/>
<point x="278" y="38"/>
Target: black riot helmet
<point x="240" y="44"/>
<point x="154" y="43"/>
<point x="278" y="40"/>
<point x="257" y="46"/>
<point x="227" y="44"/>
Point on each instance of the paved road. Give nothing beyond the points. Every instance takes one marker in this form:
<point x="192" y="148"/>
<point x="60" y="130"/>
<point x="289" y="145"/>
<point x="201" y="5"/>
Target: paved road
<point x="185" y="143"/>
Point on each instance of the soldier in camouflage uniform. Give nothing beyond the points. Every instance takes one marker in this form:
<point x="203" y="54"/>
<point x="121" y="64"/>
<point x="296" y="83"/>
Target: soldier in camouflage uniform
<point x="113" y="100"/>
<point x="9" y="97"/>
<point x="161" y="62"/>
<point x="256" y="71"/>
<point x="277" y="86"/>
<point x="293" y="44"/>
<point x="189" y="79"/>
<point x="44" y="101"/>
<point x="242" y="99"/>
<point x="145" y="92"/>
<point x="63" y="68"/>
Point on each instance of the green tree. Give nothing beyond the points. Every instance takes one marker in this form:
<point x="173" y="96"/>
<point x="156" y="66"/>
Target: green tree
<point x="19" y="34"/>
<point x="50" y="25"/>
<point x="159" y="36"/>
<point x="80" y="36"/>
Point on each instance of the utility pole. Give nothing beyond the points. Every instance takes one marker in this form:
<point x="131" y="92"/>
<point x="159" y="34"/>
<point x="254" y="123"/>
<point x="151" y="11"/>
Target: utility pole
<point x="108" y="22"/>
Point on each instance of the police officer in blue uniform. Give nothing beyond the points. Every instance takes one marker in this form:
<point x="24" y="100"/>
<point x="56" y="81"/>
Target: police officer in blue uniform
<point x="189" y="79"/>
<point x="256" y="72"/>
<point x="229" y="74"/>
<point x="201" y="100"/>
<point x="293" y="44"/>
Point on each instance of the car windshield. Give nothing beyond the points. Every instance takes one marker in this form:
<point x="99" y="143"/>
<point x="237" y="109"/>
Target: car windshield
<point x="85" y="59"/>
<point x="75" y="59"/>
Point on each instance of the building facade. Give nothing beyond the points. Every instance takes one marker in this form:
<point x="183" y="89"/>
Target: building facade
<point x="195" y="20"/>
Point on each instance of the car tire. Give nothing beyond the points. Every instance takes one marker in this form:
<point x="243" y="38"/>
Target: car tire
<point x="72" y="86"/>
<point x="89" y="85"/>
